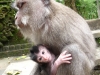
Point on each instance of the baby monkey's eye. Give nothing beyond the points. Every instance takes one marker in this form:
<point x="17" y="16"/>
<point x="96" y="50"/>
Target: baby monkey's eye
<point x="43" y="52"/>
<point x="40" y="58"/>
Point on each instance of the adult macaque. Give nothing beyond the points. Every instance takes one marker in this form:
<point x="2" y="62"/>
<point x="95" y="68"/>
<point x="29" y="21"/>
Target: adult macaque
<point x="46" y="59"/>
<point x="60" y="28"/>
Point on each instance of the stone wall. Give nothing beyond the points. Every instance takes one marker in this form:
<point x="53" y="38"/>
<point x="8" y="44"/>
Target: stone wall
<point x="15" y="50"/>
<point x="94" y="24"/>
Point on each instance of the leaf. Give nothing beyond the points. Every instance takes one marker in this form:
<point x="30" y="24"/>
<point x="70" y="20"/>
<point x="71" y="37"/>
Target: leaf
<point x="21" y="57"/>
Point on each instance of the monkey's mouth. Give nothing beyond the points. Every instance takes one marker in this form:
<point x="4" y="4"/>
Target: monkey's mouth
<point x="48" y="60"/>
<point x="21" y="25"/>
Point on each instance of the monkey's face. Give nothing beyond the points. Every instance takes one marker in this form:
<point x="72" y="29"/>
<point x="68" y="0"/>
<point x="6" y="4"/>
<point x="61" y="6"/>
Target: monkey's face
<point x="22" y="15"/>
<point x="43" y="55"/>
<point x="30" y="12"/>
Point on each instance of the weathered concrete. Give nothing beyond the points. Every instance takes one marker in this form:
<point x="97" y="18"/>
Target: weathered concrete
<point x="98" y="56"/>
<point x="96" y="33"/>
<point x="94" y="24"/>
<point x="24" y="67"/>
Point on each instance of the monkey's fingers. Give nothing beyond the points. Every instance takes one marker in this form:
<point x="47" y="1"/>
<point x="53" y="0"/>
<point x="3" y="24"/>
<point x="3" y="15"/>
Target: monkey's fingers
<point x="67" y="59"/>
<point x="64" y="53"/>
<point x="67" y="62"/>
<point x="68" y="55"/>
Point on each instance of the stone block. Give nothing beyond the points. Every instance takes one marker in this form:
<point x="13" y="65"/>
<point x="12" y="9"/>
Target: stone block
<point x="24" y="67"/>
<point x="96" y="33"/>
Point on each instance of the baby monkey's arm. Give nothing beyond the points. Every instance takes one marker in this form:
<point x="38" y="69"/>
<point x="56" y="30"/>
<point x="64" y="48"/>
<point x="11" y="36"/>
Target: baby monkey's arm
<point x="63" y="58"/>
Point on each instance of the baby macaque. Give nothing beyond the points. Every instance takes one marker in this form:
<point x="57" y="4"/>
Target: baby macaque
<point x="47" y="60"/>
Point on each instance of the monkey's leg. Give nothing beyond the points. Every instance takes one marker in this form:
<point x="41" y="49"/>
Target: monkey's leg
<point x="80" y="64"/>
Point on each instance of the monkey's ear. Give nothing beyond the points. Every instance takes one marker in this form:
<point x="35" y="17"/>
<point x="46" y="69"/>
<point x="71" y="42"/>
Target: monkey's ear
<point x="46" y="2"/>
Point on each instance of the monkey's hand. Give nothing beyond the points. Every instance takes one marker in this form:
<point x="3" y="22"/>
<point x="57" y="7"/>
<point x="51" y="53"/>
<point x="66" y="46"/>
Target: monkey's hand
<point x="64" y="57"/>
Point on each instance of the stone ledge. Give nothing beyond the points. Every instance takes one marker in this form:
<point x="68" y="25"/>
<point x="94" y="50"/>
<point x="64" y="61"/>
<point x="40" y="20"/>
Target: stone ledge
<point x="98" y="56"/>
<point x="14" y="53"/>
<point x="25" y="67"/>
<point x="96" y="33"/>
<point x="94" y="24"/>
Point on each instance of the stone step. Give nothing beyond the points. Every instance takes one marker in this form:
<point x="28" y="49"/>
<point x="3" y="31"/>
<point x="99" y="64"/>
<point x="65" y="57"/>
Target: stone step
<point x="24" y="68"/>
<point x="96" y="33"/>
<point x="94" y="24"/>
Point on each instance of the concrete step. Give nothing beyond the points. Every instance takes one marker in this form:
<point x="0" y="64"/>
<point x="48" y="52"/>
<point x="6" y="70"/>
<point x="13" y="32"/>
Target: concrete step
<point x="96" y="33"/>
<point x="2" y="71"/>
<point x="24" y="68"/>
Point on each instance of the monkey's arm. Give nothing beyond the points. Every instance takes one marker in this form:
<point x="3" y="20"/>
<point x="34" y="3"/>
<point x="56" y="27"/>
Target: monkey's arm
<point x="63" y="58"/>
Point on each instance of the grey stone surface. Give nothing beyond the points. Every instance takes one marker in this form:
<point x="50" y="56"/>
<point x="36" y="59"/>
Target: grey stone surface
<point x="2" y="71"/>
<point x="94" y="24"/>
<point x="24" y="67"/>
<point x="98" y="56"/>
<point x="5" y="62"/>
<point x="96" y="33"/>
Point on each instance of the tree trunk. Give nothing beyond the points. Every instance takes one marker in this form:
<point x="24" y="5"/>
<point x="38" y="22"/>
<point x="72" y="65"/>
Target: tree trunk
<point x="98" y="8"/>
<point x="71" y="4"/>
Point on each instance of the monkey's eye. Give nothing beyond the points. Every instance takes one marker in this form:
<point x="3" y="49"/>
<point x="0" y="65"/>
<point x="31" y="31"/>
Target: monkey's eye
<point x="43" y="52"/>
<point x="40" y="58"/>
<point x="20" y="4"/>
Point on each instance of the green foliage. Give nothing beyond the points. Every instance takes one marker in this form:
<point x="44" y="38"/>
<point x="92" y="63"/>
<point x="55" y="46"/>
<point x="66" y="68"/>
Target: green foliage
<point x="16" y="39"/>
<point x="60" y="1"/>
<point x="87" y="8"/>
<point x="7" y="27"/>
<point x="8" y="31"/>
<point x="98" y="41"/>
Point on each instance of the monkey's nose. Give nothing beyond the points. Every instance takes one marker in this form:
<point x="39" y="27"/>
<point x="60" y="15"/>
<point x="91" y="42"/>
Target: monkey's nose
<point x="45" y="58"/>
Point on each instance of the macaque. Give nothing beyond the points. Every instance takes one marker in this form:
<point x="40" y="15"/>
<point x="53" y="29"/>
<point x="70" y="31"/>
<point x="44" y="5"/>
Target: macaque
<point x="61" y="29"/>
<point x="47" y="60"/>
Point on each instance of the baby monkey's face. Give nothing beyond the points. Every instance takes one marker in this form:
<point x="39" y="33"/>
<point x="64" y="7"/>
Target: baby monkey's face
<point x="43" y="55"/>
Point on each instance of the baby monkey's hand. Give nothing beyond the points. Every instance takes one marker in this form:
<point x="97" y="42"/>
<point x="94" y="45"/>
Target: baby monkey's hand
<point x="64" y="57"/>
